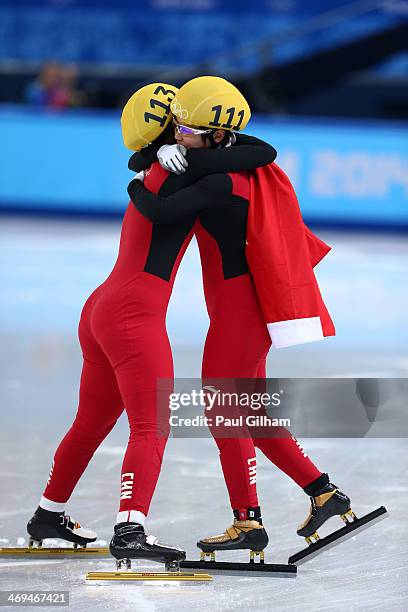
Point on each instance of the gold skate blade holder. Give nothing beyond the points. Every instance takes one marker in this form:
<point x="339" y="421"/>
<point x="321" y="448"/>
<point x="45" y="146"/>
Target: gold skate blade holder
<point x="149" y="576"/>
<point x="344" y="517"/>
<point x="204" y="555"/>
<point x="313" y="538"/>
<point x="43" y="553"/>
<point x="349" y="514"/>
<point x="256" y="553"/>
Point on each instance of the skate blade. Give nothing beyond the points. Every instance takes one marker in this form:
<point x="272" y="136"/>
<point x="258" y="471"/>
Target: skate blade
<point x="241" y="569"/>
<point x="149" y="576"/>
<point x="38" y="553"/>
<point x="338" y="536"/>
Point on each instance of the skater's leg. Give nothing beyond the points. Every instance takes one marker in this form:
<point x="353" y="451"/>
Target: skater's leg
<point x="237" y="339"/>
<point x="100" y="405"/>
<point x="143" y="458"/>
<point x="226" y="361"/>
<point x="236" y="450"/>
<point x="142" y="359"/>
<point x="287" y="454"/>
<point x="149" y="429"/>
<point x="284" y="451"/>
<point x="141" y="356"/>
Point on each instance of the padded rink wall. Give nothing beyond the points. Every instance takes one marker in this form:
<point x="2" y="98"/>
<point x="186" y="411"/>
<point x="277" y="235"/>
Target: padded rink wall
<point x="345" y="173"/>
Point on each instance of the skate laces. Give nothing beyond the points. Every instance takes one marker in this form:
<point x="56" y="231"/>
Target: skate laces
<point x="247" y="524"/>
<point x="122" y="529"/>
<point x="233" y="531"/>
<point x="69" y="522"/>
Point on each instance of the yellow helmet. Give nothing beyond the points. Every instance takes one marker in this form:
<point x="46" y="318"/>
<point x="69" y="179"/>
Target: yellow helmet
<point x="146" y="114"/>
<point x="213" y="102"/>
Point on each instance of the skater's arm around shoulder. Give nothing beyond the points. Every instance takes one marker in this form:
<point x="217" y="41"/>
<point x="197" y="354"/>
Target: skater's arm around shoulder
<point x="208" y="191"/>
<point x="247" y="153"/>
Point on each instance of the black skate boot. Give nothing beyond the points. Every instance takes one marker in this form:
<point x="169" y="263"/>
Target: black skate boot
<point x="45" y="524"/>
<point x="327" y="502"/>
<point x="244" y="534"/>
<point x="130" y="542"/>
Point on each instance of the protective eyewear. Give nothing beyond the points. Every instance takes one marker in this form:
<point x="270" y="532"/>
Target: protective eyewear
<point x="184" y="129"/>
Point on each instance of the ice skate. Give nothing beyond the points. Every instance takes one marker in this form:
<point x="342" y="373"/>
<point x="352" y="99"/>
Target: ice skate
<point x="131" y="542"/>
<point x="241" y="535"/>
<point x="248" y="534"/>
<point x="45" y="524"/>
<point x="329" y="502"/>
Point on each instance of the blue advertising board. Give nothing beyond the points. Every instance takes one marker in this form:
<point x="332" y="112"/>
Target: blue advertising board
<point x="344" y="173"/>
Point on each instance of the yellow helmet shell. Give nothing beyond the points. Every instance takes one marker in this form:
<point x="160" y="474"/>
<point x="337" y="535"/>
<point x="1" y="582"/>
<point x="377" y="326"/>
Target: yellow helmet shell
<point x="213" y="102"/>
<point x="146" y="114"/>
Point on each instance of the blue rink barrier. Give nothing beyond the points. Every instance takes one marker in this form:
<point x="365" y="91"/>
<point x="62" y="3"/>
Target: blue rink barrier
<point x="345" y="173"/>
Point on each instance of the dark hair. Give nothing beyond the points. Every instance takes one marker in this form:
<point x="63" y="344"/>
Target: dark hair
<point x="166" y="137"/>
<point x="210" y="138"/>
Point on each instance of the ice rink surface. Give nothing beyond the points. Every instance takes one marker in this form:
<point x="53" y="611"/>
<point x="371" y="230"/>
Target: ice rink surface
<point x="47" y="270"/>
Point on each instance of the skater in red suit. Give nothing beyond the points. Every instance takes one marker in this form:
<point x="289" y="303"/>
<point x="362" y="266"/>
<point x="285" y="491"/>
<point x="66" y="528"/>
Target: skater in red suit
<point x="125" y="346"/>
<point x="238" y="341"/>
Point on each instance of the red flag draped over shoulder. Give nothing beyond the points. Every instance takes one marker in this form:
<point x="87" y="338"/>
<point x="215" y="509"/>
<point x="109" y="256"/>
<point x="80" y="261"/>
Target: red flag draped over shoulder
<point x="281" y="252"/>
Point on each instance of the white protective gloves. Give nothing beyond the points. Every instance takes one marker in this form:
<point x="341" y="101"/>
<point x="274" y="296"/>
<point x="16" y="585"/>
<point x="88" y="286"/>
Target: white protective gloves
<point x="172" y="158"/>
